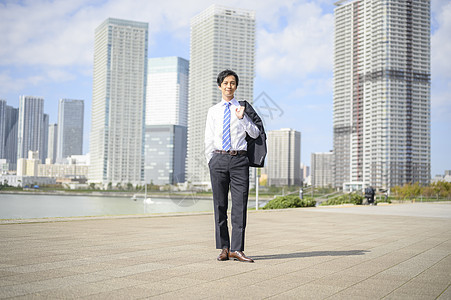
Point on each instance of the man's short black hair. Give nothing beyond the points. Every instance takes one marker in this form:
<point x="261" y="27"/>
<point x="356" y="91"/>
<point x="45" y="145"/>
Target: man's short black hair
<point x="224" y="74"/>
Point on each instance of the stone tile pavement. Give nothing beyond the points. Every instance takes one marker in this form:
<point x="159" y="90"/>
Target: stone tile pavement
<point x="372" y="252"/>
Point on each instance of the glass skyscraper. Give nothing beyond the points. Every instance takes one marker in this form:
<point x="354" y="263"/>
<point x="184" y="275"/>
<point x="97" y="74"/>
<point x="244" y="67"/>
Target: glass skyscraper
<point x="167" y="91"/>
<point x="9" y="121"/>
<point x="70" y="128"/>
<point x="2" y="127"/>
<point x="166" y="120"/>
<point x="165" y="152"/>
<point x="53" y="142"/>
<point x="32" y="127"/>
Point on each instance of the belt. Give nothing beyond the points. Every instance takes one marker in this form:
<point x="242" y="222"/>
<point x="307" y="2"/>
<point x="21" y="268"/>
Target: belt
<point x="231" y="152"/>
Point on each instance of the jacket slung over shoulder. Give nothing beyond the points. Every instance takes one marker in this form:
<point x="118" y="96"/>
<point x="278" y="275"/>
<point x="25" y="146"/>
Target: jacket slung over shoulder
<point x="256" y="148"/>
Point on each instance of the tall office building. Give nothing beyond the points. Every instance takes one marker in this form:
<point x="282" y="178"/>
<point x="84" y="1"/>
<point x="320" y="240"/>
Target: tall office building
<point x="283" y="163"/>
<point x="221" y="38"/>
<point x="2" y="127"/>
<point x="43" y="152"/>
<point x="322" y="169"/>
<point x="118" y="104"/>
<point x="10" y="119"/>
<point x="53" y="142"/>
<point x="31" y="133"/>
<point x="166" y="120"/>
<point x="70" y="125"/>
<point x="305" y="172"/>
<point x="165" y="152"/>
<point x="382" y="92"/>
<point x="167" y="91"/>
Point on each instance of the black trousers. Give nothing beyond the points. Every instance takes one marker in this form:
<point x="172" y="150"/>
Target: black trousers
<point x="230" y="172"/>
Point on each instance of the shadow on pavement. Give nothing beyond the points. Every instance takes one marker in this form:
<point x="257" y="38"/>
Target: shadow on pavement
<point x="311" y="254"/>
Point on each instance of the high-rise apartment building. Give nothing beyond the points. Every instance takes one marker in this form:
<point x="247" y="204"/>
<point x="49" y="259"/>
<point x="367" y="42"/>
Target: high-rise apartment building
<point x="118" y="104"/>
<point x="70" y="125"/>
<point x="322" y="169"/>
<point x="167" y="91"/>
<point x="221" y="38"/>
<point x="53" y="142"/>
<point x="382" y="92"/>
<point x="31" y="130"/>
<point x="283" y="163"/>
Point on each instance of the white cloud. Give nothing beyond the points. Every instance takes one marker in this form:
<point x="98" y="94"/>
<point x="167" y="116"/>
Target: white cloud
<point x="313" y="87"/>
<point x="8" y="82"/>
<point x="61" y="33"/>
<point x="52" y="37"/>
<point x="295" y="38"/>
<point x="441" y="42"/>
<point x="303" y="47"/>
<point x="41" y="32"/>
<point x="440" y="62"/>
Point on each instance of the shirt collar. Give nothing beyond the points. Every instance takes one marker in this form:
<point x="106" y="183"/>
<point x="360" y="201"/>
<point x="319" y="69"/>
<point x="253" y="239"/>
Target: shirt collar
<point x="233" y="102"/>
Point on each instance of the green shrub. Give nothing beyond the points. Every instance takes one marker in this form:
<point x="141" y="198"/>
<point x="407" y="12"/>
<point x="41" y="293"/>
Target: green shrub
<point x="356" y="199"/>
<point x="289" y="201"/>
<point x="353" y="198"/>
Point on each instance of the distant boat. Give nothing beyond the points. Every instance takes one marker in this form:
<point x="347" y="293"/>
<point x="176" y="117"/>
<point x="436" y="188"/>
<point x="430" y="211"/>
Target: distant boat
<point x="146" y="200"/>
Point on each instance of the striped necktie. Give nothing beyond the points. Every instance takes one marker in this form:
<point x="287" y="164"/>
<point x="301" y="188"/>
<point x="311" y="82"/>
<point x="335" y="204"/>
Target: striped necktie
<point x="226" y="128"/>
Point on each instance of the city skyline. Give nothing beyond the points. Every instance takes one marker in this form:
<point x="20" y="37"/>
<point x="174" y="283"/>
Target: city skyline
<point x="293" y="65"/>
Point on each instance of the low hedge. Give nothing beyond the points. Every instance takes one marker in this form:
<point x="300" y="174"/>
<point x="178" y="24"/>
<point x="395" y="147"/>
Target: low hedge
<point x="289" y="201"/>
<point x="344" y="199"/>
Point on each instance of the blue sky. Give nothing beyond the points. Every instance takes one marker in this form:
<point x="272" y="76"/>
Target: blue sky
<point x="47" y="50"/>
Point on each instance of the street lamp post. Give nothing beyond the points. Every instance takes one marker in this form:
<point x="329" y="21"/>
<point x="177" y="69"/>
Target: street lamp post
<point x="256" y="188"/>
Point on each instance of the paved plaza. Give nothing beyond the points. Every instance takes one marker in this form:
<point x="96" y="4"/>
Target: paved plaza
<point x="398" y="251"/>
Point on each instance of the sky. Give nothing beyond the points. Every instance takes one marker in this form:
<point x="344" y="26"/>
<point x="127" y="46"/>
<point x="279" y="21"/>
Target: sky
<point x="46" y="50"/>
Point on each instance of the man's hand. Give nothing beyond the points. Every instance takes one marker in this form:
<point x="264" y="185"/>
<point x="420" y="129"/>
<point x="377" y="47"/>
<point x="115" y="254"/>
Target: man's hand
<point x="240" y="112"/>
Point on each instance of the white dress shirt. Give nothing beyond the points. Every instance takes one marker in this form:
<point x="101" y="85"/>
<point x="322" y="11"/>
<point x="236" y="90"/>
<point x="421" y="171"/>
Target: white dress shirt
<point x="238" y="128"/>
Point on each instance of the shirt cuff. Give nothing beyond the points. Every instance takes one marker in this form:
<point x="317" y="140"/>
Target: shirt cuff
<point x="245" y="119"/>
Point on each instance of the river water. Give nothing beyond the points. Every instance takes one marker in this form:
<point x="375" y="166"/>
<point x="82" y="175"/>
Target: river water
<point x="24" y="206"/>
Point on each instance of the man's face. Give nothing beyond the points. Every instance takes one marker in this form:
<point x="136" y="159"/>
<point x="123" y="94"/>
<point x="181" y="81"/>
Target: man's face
<point x="228" y="87"/>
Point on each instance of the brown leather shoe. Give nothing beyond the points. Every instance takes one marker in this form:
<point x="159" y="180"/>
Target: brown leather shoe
<point x="239" y="255"/>
<point x="224" y="255"/>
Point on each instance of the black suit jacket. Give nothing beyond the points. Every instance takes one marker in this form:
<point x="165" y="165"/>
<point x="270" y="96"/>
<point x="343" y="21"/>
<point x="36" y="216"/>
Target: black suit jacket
<point x="256" y="148"/>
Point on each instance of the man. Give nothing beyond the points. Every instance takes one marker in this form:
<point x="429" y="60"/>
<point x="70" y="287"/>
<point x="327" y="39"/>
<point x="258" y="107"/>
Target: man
<point x="225" y="148"/>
